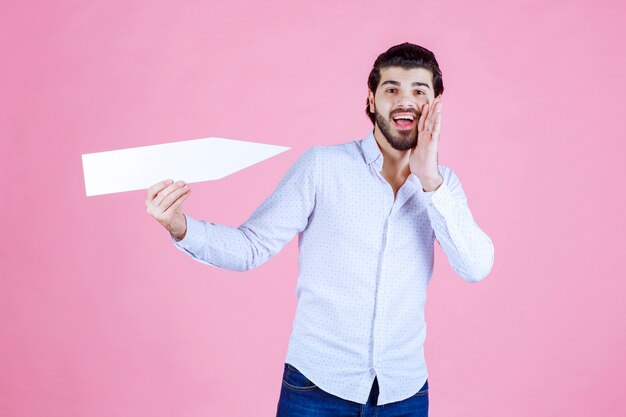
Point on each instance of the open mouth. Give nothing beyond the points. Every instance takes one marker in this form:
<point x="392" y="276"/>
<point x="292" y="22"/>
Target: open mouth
<point x="404" y="121"/>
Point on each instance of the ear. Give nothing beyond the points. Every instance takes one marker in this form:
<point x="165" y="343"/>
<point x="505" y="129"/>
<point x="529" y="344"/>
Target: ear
<point x="370" y="97"/>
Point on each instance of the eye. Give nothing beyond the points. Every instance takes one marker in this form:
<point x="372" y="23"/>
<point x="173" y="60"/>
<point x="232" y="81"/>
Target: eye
<point x="389" y="89"/>
<point x="419" y="92"/>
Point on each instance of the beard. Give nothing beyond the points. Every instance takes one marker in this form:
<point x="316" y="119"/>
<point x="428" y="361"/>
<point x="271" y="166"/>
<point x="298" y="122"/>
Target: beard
<point x="403" y="140"/>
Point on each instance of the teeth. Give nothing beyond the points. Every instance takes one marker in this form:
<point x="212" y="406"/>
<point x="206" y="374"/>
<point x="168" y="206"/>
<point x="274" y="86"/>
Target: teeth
<point x="404" y="117"/>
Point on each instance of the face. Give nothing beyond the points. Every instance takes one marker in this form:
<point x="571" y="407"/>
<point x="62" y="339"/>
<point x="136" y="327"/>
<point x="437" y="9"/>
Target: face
<point x="400" y="95"/>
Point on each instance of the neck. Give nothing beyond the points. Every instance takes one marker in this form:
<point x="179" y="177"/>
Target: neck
<point x="395" y="162"/>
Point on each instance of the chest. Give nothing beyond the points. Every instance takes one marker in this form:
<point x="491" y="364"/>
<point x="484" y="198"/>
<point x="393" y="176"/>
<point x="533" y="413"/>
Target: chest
<point x="364" y="206"/>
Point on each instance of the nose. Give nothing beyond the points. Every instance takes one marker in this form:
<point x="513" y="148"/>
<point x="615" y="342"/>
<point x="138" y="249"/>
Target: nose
<point x="407" y="101"/>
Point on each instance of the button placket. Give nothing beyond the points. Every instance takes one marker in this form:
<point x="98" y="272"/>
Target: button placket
<point x="379" y="306"/>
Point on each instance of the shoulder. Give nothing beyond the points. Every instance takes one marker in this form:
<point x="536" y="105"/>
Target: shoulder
<point x="336" y="157"/>
<point x="451" y="180"/>
<point x="448" y="174"/>
<point x="342" y="152"/>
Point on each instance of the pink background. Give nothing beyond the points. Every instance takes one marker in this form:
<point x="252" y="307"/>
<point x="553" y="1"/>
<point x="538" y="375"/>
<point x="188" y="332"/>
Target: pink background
<point x="102" y="316"/>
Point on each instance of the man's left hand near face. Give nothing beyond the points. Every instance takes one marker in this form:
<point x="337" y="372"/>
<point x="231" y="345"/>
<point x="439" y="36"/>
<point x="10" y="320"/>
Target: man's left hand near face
<point x="423" y="159"/>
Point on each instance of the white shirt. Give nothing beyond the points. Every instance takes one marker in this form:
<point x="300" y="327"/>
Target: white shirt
<point x="365" y="264"/>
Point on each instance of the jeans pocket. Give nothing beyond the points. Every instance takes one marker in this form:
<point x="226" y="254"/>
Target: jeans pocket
<point x="295" y="380"/>
<point x="423" y="390"/>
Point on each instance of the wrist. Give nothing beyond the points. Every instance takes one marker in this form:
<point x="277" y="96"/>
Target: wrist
<point x="432" y="184"/>
<point x="178" y="238"/>
<point x="178" y="229"/>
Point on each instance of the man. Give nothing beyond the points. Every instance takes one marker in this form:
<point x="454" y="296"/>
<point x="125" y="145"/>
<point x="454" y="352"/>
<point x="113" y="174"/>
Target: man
<point x="367" y="213"/>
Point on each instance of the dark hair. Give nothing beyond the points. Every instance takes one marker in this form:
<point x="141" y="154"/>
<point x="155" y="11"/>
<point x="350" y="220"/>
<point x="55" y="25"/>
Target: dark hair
<point x="407" y="56"/>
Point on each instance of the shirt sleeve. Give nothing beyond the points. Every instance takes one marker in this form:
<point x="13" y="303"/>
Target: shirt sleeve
<point x="272" y="225"/>
<point x="469" y="250"/>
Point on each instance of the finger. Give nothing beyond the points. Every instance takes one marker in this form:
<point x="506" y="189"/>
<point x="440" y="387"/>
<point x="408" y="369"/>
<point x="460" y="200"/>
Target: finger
<point x="158" y="212"/>
<point x="177" y="203"/>
<point x="161" y="195"/>
<point x="437" y="127"/>
<point x="435" y="106"/>
<point x="154" y="189"/>
<point x="422" y="120"/>
<point x="435" y="115"/>
<point x="428" y="123"/>
<point x="172" y="197"/>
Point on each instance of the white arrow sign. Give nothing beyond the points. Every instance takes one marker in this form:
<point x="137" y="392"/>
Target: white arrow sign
<point x="191" y="161"/>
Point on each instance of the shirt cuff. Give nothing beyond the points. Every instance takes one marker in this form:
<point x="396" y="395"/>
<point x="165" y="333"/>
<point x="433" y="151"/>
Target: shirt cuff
<point x="193" y="241"/>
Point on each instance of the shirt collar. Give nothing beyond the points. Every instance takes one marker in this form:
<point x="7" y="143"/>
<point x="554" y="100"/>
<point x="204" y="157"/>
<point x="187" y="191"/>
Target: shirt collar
<point x="373" y="155"/>
<point x="370" y="149"/>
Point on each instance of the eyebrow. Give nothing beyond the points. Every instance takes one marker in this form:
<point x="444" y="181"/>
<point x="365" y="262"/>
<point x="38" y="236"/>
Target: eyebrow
<point x="414" y="84"/>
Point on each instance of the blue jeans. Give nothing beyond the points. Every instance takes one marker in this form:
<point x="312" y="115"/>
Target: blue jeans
<point x="299" y="397"/>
